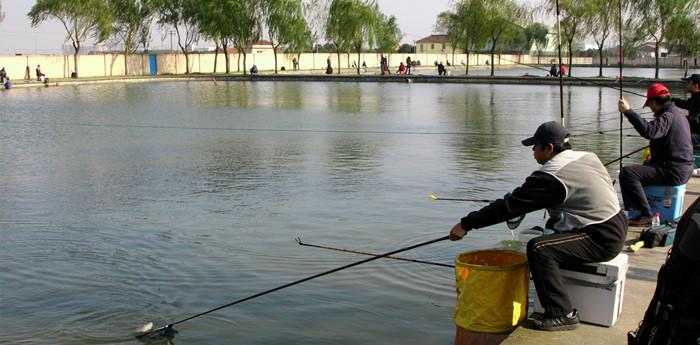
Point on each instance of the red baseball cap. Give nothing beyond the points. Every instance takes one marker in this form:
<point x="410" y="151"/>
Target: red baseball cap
<point x="656" y="90"/>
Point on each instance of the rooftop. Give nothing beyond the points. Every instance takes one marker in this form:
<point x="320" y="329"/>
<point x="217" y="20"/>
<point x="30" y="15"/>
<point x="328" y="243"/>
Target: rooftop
<point x="433" y="39"/>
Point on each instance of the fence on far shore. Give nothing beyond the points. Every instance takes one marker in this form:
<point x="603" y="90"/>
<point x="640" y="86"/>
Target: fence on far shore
<point x="112" y="65"/>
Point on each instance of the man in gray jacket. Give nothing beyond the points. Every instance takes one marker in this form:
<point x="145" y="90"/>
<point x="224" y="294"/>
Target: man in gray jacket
<point x="578" y="194"/>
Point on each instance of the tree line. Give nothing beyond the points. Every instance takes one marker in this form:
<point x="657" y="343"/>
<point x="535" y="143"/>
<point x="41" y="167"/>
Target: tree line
<point x="352" y="26"/>
<point x="495" y="26"/>
<point x="290" y="25"/>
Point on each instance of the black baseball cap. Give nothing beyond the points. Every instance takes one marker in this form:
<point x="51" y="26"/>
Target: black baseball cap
<point x="695" y="78"/>
<point x="548" y="133"/>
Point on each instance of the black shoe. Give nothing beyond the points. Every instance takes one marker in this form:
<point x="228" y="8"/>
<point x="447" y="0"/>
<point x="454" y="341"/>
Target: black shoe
<point x="536" y="316"/>
<point x="561" y="323"/>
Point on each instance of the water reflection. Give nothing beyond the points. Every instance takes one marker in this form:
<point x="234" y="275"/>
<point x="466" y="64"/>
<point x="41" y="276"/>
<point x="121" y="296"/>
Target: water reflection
<point x="188" y="193"/>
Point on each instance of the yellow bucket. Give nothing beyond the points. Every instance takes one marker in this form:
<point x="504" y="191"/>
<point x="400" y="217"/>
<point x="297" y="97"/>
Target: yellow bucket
<point x="492" y="290"/>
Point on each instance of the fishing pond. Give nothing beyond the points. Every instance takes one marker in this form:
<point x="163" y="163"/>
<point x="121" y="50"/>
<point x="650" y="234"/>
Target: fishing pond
<point x="125" y="203"/>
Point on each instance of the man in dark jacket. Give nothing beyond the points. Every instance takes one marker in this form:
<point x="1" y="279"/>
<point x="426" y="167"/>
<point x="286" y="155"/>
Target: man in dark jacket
<point x="692" y="105"/>
<point x="579" y="196"/>
<point x="671" y="162"/>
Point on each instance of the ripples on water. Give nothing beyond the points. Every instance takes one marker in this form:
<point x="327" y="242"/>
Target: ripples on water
<point x="126" y="203"/>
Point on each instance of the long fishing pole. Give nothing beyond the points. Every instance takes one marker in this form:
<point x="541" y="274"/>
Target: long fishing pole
<point x="620" y="76"/>
<point x="625" y="156"/>
<point x="302" y="243"/>
<point x="588" y="81"/>
<point x="561" y="77"/>
<point x="169" y="330"/>
<point x="437" y="198"/>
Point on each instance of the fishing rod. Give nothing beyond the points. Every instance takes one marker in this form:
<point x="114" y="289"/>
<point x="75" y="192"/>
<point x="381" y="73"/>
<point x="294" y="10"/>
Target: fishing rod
<point x="625" y="156"/>
<point x="561" y="77"/>
<point x="437" y="198"/>
<point x="577" y="78"/>
<point x="301" y="243"/>
<point x="620" y="76"/>
<point x="169" y="331"/>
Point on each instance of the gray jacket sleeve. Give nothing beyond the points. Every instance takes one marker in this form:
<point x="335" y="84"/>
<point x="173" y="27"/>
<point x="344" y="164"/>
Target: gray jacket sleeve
<point x="540" y="190"/>
<point x="654" y="129"/>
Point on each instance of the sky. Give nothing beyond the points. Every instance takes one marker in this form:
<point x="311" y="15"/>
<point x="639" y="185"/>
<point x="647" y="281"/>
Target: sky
<point x="416" y="19"/>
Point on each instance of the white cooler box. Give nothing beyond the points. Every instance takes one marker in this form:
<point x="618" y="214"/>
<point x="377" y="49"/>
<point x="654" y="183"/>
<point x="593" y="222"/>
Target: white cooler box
<point x="596" y="290"/>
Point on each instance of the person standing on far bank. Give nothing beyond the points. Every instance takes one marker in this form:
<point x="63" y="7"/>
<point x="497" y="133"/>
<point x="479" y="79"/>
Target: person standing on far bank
<point x="584" y="211"/>
<point x="671" y="162"/>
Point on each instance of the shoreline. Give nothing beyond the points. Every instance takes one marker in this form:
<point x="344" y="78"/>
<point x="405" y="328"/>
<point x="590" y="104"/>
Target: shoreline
<point x="364" y="78"/>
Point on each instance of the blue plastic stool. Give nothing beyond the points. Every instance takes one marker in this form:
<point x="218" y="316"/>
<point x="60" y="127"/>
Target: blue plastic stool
<point x="667" y="201"/>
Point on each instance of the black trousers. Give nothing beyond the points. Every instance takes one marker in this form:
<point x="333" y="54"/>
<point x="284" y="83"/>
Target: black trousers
<point x="633" y="179"/>
<point x="594" y="243"/>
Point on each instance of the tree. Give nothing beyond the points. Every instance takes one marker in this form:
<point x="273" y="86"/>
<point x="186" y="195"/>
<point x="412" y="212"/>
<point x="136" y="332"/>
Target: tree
<point x="285" y="23"/>
<point x="654" y="19"/>
<point x="387" y="34"/>
<point x="684" y="37"/>
<point x="80" y="18"/>
<point x="2" y="14"/>
<point x="407" y="48"/>
<point x="601" y="22"/>
<point x="182" y="16"/>
<point x="465" y="26"/>
<point x="501" y="19"/>
<point x="537" y="35"/>
<point x="131" y="25"/>
<point x="247" y="27"/>
<point x="334" y="26"/>
<point x="215" y="24"/>
<point x="576" y="13"/>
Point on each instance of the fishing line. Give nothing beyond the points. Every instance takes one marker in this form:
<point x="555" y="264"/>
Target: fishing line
<point x="603" y="132"/>
<point x="306" y="244"/>
<point x="168" y="330"/>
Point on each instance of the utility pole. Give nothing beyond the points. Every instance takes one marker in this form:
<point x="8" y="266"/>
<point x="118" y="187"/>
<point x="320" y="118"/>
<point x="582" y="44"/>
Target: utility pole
<point x="171" y="40"/>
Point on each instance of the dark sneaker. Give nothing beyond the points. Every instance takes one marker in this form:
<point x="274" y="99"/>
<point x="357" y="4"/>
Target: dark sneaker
<point x="561" y="323"/>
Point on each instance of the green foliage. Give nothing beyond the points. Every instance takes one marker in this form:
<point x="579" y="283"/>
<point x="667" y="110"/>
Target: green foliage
<point x="537" y="34"/>
<point x="182" y="15"/>
<point x="656" y="19"/>
<point x="387" y="34"/>
<point x="286" y="25"/>
<point x="351" y="24"/>
<point x="131" y="22"/>
<point x="284" y="20"/>
<point x="247" y="27"/>
<point x="406" y="48"/>
<point x="465" y="25"/>
<point x="684" y="36"/>
<point x="80" y="18"/>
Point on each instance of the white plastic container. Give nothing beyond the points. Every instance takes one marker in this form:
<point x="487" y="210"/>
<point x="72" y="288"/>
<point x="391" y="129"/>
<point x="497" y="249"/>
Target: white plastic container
<point x="596" y="290"/>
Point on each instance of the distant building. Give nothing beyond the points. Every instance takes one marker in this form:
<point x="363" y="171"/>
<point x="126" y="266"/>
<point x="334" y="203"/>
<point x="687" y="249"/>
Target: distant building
<point x="435" y="44"/>
<point x="552" y="45"/>
<point x="649" y="50"/>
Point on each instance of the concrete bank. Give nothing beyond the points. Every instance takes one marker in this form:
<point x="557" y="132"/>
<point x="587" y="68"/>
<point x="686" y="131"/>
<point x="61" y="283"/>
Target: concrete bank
<point x="364" y="78"/>
<point x="641" y="281"/>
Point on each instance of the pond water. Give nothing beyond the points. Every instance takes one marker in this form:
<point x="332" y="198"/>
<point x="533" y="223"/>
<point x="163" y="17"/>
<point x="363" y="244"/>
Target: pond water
<point x="126" y="203"/>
